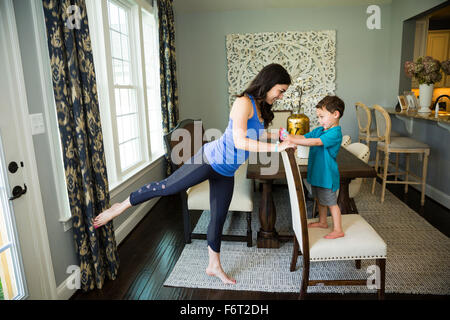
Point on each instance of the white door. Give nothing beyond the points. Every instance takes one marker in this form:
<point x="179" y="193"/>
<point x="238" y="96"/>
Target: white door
<point x="25" y="265"/>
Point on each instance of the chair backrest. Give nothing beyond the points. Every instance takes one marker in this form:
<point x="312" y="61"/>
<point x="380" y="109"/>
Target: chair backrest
<point x="383" y="123"/>
<point x="364" y="117"/>
<point x="187" y="137"/>
<point x="280" y="119"/>
<point x="297" y="199"/>
<point x="360" y="150"/>
<point x="346" y="140"/>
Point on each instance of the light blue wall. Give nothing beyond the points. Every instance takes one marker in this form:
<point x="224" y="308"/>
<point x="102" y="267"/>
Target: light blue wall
<point x="361" y="55"/>
<point x="368" y="63"/>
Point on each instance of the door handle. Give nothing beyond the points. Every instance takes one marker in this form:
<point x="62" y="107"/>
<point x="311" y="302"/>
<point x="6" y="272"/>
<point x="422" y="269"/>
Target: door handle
<point x="18" y="191"/>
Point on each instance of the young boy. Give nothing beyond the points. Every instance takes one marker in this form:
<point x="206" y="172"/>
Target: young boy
<point x="323" y="173"/>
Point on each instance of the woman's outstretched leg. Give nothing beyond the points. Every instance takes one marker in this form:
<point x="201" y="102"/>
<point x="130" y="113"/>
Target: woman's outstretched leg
<point x="191" y="173"/>
<point x="109" y="214"/>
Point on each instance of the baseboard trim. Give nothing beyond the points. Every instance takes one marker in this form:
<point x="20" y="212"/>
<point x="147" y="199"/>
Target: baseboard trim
<point x="435" y="194"/>
<point x="129" y="224"/>
<point x="63" y="291"/>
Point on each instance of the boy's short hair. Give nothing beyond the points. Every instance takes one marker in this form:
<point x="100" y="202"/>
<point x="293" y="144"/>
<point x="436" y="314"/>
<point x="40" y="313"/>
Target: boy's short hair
<point x="332" y="104"/>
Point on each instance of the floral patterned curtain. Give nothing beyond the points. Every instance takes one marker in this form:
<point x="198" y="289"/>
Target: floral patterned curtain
<point x="168" y="77"/>
<point x="75" y="91"/>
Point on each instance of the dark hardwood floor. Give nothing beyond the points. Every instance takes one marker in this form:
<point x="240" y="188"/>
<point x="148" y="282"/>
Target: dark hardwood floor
<point x="149" y="253"/>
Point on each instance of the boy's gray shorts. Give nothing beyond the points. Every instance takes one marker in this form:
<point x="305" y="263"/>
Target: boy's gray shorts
<point x="326" y="197"/>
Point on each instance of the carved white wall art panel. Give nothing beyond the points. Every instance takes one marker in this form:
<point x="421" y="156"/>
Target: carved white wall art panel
<point x="309" y="57"/>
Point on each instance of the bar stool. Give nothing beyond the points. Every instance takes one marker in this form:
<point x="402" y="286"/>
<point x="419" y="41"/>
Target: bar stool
<point x="364" y="116"/>
<point x="368" y="134"/>
<point x="397" y="145"/>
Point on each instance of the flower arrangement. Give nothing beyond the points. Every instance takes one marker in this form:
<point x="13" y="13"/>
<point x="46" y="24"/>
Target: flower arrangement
<point x="445" y="66"/>
<point x="295" y="92"/>
<point x="426" y="70"/>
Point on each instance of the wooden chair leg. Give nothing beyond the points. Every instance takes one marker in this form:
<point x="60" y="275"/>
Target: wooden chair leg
<point x="249" y="229"/>
<point x="377" y="158"/>
<point x="186" y="218"/>
<point x="396" y="166"/>
<point x="424" y="178"/>
<point x="406" y="172"/>
<point x="381" y="263"/>
<point x="294" y="254"/>
<point x="385" y="171"/>
<point x="305" y="279"/>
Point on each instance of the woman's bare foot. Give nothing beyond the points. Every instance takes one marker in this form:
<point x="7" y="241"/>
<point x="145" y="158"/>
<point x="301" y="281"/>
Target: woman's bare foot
<point x="334" y="235"/>
<point x="217" y="271"/>
<point x="109" y="214"/>
<point x="214" y="268"/>
<point x="318" y="225"/>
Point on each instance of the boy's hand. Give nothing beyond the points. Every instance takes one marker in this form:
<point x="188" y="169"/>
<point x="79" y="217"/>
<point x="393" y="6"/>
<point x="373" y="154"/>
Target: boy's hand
<point x="283" y="133"/>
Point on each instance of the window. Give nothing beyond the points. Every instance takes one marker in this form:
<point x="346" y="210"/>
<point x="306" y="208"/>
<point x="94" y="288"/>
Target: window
<point x="126" y="57"/>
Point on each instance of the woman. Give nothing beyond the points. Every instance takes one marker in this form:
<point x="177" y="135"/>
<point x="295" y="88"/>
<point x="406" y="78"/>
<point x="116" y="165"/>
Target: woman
<point x="217" y="161"/>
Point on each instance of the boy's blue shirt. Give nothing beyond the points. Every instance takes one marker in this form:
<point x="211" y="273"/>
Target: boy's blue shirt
<point x="322" y="166"/>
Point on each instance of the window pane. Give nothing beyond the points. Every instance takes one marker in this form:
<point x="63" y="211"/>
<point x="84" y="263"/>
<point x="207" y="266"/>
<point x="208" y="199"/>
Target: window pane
<point x="117" y="71"/>
<point x="130" y="153"/>
<point x="123" y="21"/>
<point x="116" y="50"/>
<point x="113" y="16"/>
<point x="8" y="281"/>
<point x="126" y="73"/>
<point x="125" y="47"/>
<point x="127" y="127"/>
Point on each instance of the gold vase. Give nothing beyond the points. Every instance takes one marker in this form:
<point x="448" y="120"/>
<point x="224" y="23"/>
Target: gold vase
<point x="298" y="123"/>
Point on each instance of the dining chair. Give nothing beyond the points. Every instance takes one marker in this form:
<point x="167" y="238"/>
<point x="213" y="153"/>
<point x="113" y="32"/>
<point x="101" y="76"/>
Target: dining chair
<point x="361" y="151"/>
<point x="397" y="145"/>
<point x="197" y="197"/>
<point x="279" y="121"/>
<point x="361" y="241"/>
<point x="346" y="140"/>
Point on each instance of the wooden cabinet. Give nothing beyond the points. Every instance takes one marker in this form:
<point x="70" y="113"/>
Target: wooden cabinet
<point x="438" y="47"/>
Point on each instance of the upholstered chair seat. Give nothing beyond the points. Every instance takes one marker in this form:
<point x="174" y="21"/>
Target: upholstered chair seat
<point x="361" y="241"/>
<point x="242" y="194"/>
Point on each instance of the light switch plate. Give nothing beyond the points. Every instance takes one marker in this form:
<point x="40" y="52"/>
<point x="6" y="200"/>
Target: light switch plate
<point x="37" y="123"/>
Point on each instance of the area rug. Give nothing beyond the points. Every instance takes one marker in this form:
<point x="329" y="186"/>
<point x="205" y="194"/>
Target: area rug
<point x="418" y="255"/>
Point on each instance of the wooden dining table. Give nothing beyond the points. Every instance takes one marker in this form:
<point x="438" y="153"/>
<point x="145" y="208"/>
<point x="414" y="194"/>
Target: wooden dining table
<point x="350" y="167"/>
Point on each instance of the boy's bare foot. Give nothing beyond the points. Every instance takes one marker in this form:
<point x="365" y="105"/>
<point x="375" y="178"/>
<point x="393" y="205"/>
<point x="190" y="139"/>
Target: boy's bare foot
<point x="107" y="215"/>
<point x="218" y="272"/>
<point x="334" y="235"/>
<point x="318" y="225"/>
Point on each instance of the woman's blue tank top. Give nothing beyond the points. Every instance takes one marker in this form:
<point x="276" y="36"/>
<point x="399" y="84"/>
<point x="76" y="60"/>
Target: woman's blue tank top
<point x="222" y="154"/>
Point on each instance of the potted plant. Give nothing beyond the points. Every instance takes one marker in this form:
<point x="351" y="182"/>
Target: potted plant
<point x="427" y="71"/>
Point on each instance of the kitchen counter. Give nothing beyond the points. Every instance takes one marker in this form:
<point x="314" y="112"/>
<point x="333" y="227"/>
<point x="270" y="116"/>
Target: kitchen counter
<point x="442" y="120"/>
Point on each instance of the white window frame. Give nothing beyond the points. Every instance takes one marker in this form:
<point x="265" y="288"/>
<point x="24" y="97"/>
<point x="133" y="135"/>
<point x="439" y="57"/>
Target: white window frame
<point x="101" y="47"/>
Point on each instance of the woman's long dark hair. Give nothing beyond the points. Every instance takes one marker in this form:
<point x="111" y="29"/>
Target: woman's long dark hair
<point x="265" y="80"/>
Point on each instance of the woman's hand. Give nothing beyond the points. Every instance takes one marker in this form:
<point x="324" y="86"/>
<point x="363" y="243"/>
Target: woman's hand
<point x="286" y="144"/>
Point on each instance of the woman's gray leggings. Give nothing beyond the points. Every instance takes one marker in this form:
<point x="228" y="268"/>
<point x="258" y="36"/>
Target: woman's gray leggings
<point x="192" y="172"/>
